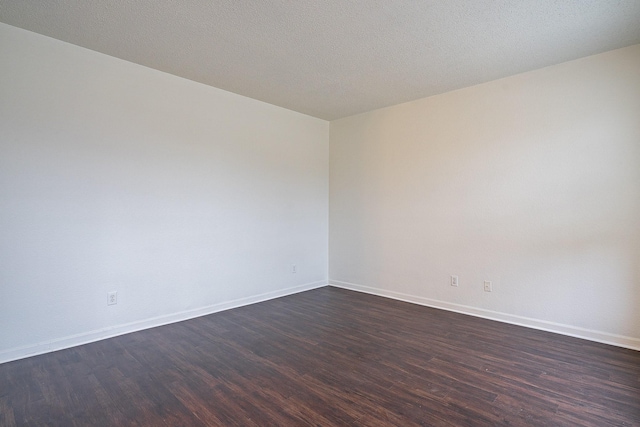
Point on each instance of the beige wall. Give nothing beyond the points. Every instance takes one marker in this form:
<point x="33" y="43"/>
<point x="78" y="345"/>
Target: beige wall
<point x="532" y="182"/>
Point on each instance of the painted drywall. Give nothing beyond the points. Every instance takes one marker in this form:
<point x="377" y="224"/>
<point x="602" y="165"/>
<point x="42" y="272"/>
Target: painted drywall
<point x="531" y="182"/>
<point x="183" y="198"/>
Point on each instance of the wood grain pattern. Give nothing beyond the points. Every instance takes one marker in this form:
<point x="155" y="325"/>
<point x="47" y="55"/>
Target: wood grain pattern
<point x="327" y="357"/>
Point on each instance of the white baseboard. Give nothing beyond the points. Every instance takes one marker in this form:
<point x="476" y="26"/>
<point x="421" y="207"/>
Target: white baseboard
<point x="113" y="331"/>
<point x="572" y="331"/>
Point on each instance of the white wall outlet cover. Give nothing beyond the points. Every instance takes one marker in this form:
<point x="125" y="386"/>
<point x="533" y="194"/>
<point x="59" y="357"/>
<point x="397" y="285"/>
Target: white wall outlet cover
<point x="454" y="280"/>
<point x="487" y="286"/>
<point x="112" y="298"/>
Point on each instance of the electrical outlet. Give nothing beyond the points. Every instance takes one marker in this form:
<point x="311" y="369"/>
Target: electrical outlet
<point x="112" y="298"/>
<point x="487" y="286"/>
<point x="294" y="268"/>
<point x="454" y="280"/>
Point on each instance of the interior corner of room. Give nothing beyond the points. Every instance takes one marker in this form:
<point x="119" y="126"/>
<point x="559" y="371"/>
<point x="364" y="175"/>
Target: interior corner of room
<point x="132" y="198"/>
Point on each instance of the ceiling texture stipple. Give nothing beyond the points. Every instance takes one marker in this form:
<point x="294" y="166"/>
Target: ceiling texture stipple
<point x="335" y="58"/>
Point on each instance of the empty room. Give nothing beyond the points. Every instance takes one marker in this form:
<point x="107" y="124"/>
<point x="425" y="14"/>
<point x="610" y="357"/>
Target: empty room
<point x="320" y="213"/>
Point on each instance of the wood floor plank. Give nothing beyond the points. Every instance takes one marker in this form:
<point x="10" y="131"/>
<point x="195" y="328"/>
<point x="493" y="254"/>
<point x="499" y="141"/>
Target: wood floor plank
<point x="327" y="357"/>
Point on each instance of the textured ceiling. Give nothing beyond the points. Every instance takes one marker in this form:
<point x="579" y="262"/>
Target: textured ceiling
<point x="335" y="58"/>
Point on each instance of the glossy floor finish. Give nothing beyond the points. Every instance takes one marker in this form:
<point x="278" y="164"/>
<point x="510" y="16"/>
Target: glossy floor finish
<point x="327" y="357"/>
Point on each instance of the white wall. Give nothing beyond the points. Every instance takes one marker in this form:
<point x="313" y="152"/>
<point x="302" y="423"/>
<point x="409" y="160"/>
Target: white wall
<point x="183" y="198"/>
<point x="187" y="199"/>
<point x="532" y="182"/>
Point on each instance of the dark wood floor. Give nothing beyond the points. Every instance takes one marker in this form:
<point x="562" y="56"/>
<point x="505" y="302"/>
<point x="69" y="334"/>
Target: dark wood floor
<point x="327" y="357"/>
